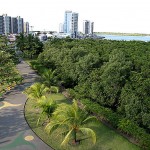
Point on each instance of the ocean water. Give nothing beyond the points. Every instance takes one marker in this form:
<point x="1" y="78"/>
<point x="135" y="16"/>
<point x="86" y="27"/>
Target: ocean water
<point x="126" y="38"/>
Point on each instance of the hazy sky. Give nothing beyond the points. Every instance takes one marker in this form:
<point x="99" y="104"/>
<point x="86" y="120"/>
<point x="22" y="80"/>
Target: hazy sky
<point x="132" y="16"/>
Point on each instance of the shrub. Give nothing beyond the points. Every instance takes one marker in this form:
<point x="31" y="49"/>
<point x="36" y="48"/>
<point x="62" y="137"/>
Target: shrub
<point x="117" y="121"/>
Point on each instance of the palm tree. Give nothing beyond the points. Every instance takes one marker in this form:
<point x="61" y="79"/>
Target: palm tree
<point x="48" y="77"/>
<point x="73" y="121"/>
<point x="48" y="80"/>
<point x="48" y="106"/>
<point x="36" y="91"/>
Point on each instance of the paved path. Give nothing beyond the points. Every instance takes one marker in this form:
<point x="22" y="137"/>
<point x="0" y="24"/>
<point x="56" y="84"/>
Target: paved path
<point x="15" y="134"/>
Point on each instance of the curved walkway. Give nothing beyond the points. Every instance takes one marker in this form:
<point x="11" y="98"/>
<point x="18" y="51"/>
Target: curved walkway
<point x="15" y="134"/>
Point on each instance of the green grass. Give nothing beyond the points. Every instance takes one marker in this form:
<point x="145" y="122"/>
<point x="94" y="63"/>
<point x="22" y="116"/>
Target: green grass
<point x="107" y="139"/>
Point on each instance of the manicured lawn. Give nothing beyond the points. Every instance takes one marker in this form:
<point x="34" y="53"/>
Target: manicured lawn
<point x="107" y="139"/>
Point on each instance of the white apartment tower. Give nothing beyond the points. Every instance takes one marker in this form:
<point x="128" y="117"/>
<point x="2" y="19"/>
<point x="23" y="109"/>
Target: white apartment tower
<point x="71" y="23"/>
<point x="88" y="27"/>
<point x="67" y="21"/>
<point x="61" y="28"/>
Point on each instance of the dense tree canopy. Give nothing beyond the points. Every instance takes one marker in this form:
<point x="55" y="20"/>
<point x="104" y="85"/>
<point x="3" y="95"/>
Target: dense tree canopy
<point x="9" y="76"/>
<point x="115" y="74"/>
<point x="29" y="45"/>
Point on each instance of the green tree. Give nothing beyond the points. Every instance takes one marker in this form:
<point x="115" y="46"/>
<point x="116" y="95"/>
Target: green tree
<point x="21" y="42"/>
<point x="34" y="46"/>
<point x="47" y="105"/>
<point x="48" y="77"/>
<point x="8" y="73"/>
<point x="36" y="91"/>
<point x="29" y="45"/>
<point x="73" y="121"/>
<point x="115" y="74"/>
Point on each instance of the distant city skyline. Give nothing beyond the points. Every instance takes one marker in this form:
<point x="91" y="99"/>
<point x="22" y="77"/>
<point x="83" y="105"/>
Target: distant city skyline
<point x="128" y="16"/>
<point x="13" y="25"/>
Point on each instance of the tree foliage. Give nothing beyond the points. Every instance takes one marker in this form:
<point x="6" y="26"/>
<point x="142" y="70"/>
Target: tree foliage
<point x="9" y="76"/>
<point x="73" y="122"/>
<point x="29" y="45"/>
<point x="115" y="74"/>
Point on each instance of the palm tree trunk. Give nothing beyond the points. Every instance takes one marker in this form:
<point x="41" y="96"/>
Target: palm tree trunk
<point x="75" y="137"/>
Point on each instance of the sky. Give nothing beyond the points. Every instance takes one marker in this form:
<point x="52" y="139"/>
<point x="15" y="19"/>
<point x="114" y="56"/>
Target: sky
<point x="126" y="16"/>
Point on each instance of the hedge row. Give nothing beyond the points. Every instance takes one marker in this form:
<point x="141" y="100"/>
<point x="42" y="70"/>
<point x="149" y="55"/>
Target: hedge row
<point x="37" y="66"/>
<point x="123" y="124"/>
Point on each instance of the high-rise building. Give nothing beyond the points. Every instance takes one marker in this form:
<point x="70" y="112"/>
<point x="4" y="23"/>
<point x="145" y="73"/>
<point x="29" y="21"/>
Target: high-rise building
<point x="92" y="28"/>
<point x="88" y="27"/>
<point x="61" y="28"/>
<point x="14" y="25"/>
<point x="26" y="27"/>
<point x="20" y="24"/>
<point x="67" y="21"/>
<point x="1" y="25"/>
<point x="74" y="24"/>
<point x="7" y="24"/>
<point x="71" y="23"/>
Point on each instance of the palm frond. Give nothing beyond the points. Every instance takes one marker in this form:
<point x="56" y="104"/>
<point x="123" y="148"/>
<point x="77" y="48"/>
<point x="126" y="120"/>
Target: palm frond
<point x="51" y="127"/>
<point x="36" y="91"/>
<point x="89" y="132"/>
<point x="67" y="138"/>
<point x="89" y="120"/>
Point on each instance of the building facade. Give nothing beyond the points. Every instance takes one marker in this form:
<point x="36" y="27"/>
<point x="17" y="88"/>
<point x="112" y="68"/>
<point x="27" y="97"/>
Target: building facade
<point x="74" y="24"/>
<point x="26" y="27"/>
<point x="7" y="24"/>
<point x="67" y="21"/>
<point x="14" y="25"/>
<point x="92" y="28"/>
<point x="1" y="25"/>
<point x="61" y="28"/>
<point x="88" y="27"/>
<point x="20" y="24"/>
<point x="71" y="23"/>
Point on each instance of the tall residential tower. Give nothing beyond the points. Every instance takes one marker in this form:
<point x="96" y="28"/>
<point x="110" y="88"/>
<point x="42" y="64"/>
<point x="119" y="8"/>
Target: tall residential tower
<point x="7" y="24"/>
<point x="71" y="23"/>
<point x="74" y="24"/>
<point x="12" y="25"/>
<point x="26" y="27"/>
<point x="67" y="21"/>
<point x="1" y="25"/>
<point x="20" y="24"/>
<point x="61" y="28"/>
<point x="88" y="27"/>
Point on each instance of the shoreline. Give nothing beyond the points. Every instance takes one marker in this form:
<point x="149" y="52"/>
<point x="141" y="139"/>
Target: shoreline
<point x="122" y="34"/>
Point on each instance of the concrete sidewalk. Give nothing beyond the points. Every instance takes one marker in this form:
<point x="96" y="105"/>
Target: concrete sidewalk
<point x="15" y="133"/>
